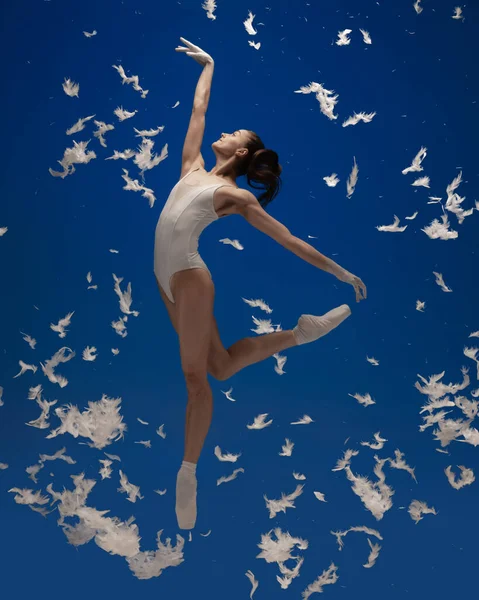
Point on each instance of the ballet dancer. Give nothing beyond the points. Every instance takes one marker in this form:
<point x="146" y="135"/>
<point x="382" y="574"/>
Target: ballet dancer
<point x="185" y="283"/>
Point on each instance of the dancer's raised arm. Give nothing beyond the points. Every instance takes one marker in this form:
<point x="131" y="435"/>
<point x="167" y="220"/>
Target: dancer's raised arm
<point x="194" y="136"/>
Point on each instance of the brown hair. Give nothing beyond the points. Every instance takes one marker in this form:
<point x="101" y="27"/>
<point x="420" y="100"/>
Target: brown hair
<point x="261" y="165"/>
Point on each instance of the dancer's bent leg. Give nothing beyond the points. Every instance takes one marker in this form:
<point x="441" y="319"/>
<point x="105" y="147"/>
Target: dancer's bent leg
<point x="250" y="350"/>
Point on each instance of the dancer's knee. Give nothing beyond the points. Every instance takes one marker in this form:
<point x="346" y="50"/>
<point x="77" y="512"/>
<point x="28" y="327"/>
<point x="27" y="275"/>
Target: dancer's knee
<point x="195" y="378"/>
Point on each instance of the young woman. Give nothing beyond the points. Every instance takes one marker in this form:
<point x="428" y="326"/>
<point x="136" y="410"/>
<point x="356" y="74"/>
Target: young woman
<point x="185" y="282"/>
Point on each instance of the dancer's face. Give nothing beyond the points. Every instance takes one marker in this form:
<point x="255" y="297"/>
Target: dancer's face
<point x="229" y="143"/>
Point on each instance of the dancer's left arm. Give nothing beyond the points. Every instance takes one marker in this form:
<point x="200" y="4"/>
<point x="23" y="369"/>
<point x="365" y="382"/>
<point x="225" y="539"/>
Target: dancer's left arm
<point x="196" y="128"/>
<point x="251" y="210"/>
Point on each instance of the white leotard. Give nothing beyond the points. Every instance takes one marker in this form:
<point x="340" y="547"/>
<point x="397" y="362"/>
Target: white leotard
<point x="188" y="210"/>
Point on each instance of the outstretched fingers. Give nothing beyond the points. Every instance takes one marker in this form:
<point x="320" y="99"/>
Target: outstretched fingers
<point x="189" y="44"/>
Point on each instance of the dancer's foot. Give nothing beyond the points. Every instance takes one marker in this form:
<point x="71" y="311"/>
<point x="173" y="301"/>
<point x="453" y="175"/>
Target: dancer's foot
<point x="186" y="496"/>
<point x="310" y="327"/>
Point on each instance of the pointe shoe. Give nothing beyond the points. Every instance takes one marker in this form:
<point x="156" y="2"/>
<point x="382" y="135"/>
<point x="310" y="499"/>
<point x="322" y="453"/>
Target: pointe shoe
<point x="185" y="508"/>
<point x="311" y="327"/>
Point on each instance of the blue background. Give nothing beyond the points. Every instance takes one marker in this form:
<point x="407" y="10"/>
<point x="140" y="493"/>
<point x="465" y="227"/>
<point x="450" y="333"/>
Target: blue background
<point x="59" y="229"/>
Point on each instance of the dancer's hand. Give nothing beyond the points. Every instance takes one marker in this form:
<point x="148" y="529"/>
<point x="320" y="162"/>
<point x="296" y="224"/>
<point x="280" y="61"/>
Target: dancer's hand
<point x="195" y="52"/>
<point x="358" y="285"/>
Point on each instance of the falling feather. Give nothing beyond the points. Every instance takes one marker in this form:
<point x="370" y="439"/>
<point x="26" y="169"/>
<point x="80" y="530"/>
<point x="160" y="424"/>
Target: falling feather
<point x="148" y="132"/>
<point x="421" y="182"/>
<point x="399" y="463"/>
<point x="365" y="399"/>
<point x="416" y="163"/>
<point x="412" y="216"/>
<point x="72" y="156"/>
<point x="352" y="179"/>
<point x="454" y="201"/>
<point x="225" y="457"/>
<point x="376" y="496"/>
<point x="210" y="7"/>
<point x="417" y="6"/>
<point x="123" y="114"/>
<point x="259" y="422"/>
<point x="231" y="477"/>
<point x="373" y="555"/>
<point x="357" y="529"/>
<point x="248" y="24"/>
<point x="32" y="342"/>
<point x="234" y="243"/>
<point x="24" y="368"/>
<point x="59" y="357"/>
<point x="89" y="353"/>
<point x="305" y="420"/>
<point x="440" y="231"/>
<point x="327" y="101"/>
<point x="331" y="180"/>
<point x="62" y="324"/>
<point x="357" y="117"/>
<point x="417" y="509"/>
<point x="253" y="581"/>
<point x="394" y="228"/>
<point x="328" y="576"/>
<point x="379" y="442"/>
<point x="79" y="125"/>
<point x="70" y="88"/>
<point x="366" y="36"/>
<point x="144" y="158"/>
<point x="125" y="297"/>
<point x="440" y="282"/>
<point x="343" y="39"/>
<point x="346" y="460"/>
<point x="134" y="185"/>
<point x="102" y="128"/>
<point x="466" y="477"/>
<point x="287" y="448"/>
<point x="146" y="443"/>
<point x="286" y="501"/>
<point x="134" y="80"/>
<point x="258" y="303"/>
<point x="228" y="394"/>
<point x="133" y="491"/>
<point x="120" y="327"/>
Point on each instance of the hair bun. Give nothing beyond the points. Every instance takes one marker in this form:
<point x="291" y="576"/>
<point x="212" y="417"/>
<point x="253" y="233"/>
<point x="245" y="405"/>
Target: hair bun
<point x="268" y="157"/>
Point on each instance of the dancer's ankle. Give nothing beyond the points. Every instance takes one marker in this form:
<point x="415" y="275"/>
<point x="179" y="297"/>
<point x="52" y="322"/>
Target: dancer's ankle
<point x="189" y="466"/>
